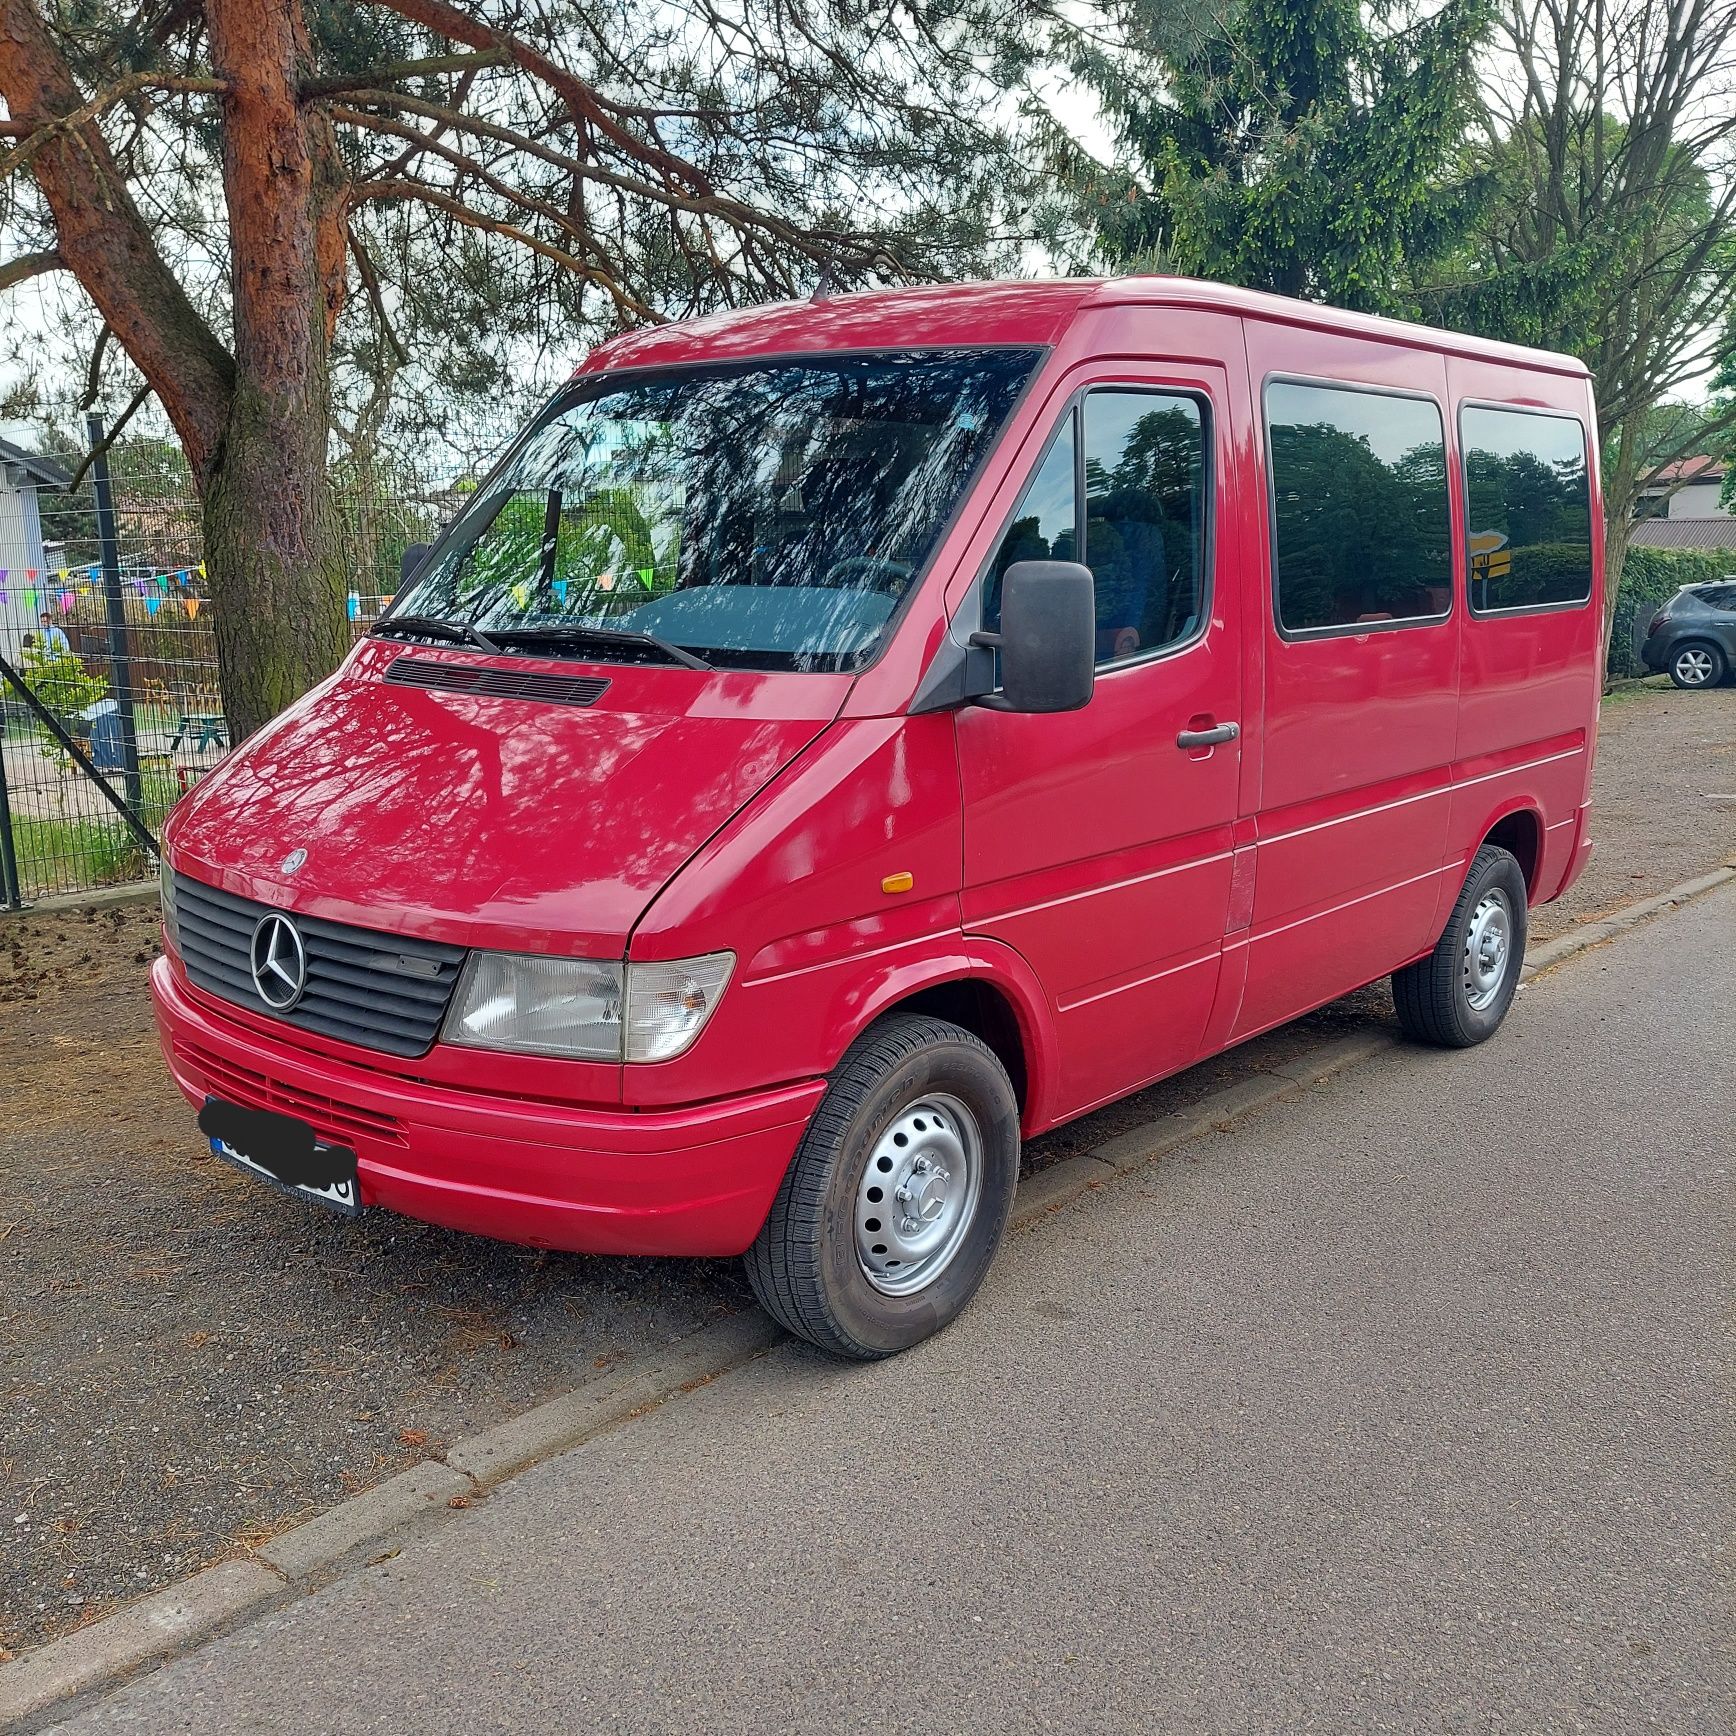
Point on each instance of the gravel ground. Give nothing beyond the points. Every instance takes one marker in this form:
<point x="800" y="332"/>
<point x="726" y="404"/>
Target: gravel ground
<point x="190" y="1362"/>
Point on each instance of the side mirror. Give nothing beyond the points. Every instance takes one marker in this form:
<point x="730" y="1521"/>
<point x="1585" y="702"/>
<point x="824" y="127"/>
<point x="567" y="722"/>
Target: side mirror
<point x="411" y="564"/>
<point x="1048" y="637"/>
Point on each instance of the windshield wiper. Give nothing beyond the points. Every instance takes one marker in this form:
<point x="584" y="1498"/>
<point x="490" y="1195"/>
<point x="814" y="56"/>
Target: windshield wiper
<point x="578" y="634"/>
<point x="432" y="627"/>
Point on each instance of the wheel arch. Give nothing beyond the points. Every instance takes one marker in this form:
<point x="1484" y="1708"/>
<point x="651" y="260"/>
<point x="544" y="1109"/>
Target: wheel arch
<point x="1518" y="831"/>
<point x="995" y="998"/>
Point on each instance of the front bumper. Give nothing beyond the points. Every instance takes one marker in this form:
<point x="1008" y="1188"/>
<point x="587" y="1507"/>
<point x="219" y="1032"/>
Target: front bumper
<point x="683" y="1181"/>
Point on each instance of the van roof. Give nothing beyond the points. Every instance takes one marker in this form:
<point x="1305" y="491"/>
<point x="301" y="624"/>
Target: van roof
<point x="1025" y="311"/>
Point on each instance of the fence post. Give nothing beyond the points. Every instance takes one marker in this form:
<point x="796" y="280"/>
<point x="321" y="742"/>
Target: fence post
<point x="119" y="664"/>
<point x="11" y="892"/>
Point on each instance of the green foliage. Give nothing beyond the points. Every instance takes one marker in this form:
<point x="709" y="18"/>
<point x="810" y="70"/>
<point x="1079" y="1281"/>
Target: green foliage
<point x="604" y="554"/>
<point x="1651" y="577"/>
<point x="1305" y="148"/>
<point x="62" y="683"/>
<point x="1547" y="571"/>
<point x="1352" y="526"/>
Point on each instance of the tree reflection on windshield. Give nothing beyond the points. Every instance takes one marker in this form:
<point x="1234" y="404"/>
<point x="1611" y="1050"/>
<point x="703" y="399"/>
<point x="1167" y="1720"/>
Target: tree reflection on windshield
<point x="765" y="515"/>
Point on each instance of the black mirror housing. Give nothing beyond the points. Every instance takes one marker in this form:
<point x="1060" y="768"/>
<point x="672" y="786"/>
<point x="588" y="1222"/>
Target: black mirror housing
<point x="1048" y="637"/>
<point x="411" y="564"/>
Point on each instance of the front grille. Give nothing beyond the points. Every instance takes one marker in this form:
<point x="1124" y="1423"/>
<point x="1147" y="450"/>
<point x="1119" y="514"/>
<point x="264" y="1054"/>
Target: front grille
<point x="542" y="686"/>
<point x="379" y="991"/>
<point x="340" y="1123"/>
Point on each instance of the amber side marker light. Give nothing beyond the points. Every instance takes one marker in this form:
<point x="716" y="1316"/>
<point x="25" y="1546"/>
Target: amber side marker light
<point x="898" y="883"/>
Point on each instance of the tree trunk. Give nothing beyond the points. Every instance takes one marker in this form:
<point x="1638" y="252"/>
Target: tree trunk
<point x="270" y="549"/>
<point x="277" y="586"/>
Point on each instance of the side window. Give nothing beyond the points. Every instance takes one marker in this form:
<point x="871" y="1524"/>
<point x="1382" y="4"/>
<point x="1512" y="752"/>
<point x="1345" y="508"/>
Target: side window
<point x="1045" y="527"/>
<point x="1529" y="503"/>
<point x="1144" y="518"/>
<point x="1144" y="533"/>
<point x="1360" y="523"/>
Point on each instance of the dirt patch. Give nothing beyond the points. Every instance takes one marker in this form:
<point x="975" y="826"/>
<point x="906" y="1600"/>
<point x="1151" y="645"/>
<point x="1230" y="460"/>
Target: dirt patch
<point x="1663" y="800"/>
<point x="190" y="1362"/>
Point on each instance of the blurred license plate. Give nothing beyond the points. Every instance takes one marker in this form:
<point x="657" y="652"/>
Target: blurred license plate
<point x="286" y="1152"/>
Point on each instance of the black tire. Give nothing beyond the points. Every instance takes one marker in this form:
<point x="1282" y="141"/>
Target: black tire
<point x="805" y="1267"/>
<point x="1440" y="998"/>
<point x="1710" y="665"/>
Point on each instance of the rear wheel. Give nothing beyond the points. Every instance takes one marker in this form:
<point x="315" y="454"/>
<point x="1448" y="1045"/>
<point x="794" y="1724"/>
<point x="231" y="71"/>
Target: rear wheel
<point x="1699" y="664"/>
<point x="897" y="1198"/>
<point x="1460" y="993"/>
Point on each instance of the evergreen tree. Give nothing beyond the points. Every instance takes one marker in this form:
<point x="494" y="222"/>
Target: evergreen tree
<point x="1301" y="146"/>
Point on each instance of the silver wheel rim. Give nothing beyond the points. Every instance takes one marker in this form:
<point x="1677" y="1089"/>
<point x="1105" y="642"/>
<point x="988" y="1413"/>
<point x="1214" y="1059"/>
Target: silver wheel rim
<point x="1488" y="944"/>
<point x="1694" y="666"/>
<point x="918" y="1195"/>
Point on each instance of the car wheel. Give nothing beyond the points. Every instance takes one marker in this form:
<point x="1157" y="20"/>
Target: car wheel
<point x="1460" y="993"/>
<point x="897" y="1198"/>
<point x="1698" y="664"/>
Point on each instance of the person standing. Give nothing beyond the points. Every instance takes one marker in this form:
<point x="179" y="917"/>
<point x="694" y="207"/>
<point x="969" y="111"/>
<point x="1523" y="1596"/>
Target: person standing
<point x="54" y="640"/>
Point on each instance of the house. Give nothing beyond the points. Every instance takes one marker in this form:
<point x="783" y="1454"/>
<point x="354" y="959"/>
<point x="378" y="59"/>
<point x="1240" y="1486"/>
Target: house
<point x="1678" y="507"/>
<point x="22" y="560"/>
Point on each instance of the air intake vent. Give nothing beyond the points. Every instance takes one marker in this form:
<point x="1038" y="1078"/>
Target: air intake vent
<point x="541" y="687"/>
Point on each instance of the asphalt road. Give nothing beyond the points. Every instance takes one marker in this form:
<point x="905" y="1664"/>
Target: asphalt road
<point x="1405" y="1406"/>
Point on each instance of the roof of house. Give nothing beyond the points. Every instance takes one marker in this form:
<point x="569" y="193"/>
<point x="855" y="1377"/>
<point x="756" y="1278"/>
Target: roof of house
<point x="1685" y="533"/>
<point x="1701" y="467"/>
<point x="43" y="470"/>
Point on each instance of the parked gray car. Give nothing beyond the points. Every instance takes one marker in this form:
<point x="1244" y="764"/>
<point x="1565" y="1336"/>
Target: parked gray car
<point x="1692" y="638"/>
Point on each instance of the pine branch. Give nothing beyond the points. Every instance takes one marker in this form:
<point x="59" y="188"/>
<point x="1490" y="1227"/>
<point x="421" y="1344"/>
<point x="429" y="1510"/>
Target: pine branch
<point x="429" y="66"/>
<point x="459" y="212"/>
<point x="29" y="265"/>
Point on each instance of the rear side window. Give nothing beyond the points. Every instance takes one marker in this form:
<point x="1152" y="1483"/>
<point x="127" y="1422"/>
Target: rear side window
<point x="1715" y="596"/>
<point x="1528" y="501"/>
<point x="1361" y="530"/>
<point x="1140" y="458"/>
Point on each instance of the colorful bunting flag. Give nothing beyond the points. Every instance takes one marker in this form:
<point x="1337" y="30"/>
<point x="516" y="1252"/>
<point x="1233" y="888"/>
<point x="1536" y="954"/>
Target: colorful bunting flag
<point x="152" y="605"/>
<point x="193" y="607"/>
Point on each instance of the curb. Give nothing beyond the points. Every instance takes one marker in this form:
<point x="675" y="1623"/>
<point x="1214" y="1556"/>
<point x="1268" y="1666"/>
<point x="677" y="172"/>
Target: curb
<point x="148" y="1631"/>
<point x="157" y="1626"/>
<point x="98" y="898"/>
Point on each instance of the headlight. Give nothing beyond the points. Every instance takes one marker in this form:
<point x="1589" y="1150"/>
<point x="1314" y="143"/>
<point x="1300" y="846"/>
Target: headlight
<point x="584" y="1009"/>
<point x="538" y="1006"/>
<point x="166" y="891"/>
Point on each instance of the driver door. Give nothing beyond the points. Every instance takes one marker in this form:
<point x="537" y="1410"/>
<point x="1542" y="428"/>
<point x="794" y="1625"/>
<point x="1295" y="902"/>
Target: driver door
<point x="1098" y="842"/>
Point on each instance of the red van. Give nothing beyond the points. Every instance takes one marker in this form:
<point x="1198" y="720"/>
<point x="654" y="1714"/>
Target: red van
<point x="844" y="738"/>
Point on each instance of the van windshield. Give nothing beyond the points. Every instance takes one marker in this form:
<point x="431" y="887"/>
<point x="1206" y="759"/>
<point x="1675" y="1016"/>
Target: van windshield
<point x="765" y="516"/>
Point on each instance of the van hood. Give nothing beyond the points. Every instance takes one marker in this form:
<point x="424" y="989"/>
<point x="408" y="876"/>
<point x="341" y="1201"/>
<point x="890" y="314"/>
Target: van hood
<point x="484" y="821"/>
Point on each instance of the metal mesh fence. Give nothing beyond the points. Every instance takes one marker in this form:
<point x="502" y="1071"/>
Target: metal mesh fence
<point x="106" y="616"/>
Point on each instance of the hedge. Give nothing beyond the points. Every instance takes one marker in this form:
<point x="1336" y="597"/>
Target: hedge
<point x="1650" y="577"/>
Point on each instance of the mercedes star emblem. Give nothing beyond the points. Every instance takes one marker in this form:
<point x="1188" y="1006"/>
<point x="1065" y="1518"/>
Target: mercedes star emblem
<point x="279" y="962"/>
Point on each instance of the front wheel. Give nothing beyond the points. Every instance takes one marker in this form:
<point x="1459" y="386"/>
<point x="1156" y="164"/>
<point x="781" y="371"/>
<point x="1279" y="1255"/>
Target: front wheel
<point x="1698" y="665"/>
<point x="1460" y="993"/>
<point x="897" y="1198"/>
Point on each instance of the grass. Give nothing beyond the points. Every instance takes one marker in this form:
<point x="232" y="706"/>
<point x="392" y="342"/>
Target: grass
<point x="77" y="853"/>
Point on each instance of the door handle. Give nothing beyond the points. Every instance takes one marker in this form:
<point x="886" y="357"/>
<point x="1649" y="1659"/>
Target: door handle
<point x="1208" y="737"/>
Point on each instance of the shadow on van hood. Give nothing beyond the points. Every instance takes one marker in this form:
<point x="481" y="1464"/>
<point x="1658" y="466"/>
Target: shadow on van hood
<point x="486" y="821"/>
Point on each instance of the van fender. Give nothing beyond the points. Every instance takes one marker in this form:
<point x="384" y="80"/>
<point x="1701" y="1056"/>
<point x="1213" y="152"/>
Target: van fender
<point x="1521" y="806"/>
<point x="970" y="958"/>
